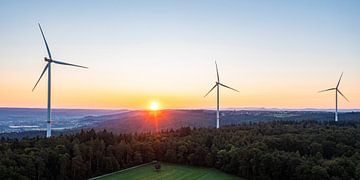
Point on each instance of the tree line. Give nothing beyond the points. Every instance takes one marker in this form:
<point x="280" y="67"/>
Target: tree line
<point x="274" y="150"/>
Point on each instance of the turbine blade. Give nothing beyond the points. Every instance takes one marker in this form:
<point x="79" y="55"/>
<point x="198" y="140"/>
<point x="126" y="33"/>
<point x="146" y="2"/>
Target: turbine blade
<point x="217" y="72"/>
<point x="327" y="90"/>
<point x="46" y="44"/>
<point x="339" y="80"/>
<point x="343" y="95"/>
<point x="210" y="90"/>
<point x="47" y="65"/>
<point x="68" y="64"/>
<point x="228" y="87"/>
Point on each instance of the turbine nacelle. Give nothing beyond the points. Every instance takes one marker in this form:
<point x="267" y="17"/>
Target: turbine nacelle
<point x="336" y="89"/>
<point x="217" y="83"/>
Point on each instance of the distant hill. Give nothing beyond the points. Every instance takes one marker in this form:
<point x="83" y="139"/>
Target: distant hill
<point x="144" y="121"/>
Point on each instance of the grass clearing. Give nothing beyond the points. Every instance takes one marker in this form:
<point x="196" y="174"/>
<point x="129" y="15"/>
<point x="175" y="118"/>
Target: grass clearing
<point x="170" y="171"/>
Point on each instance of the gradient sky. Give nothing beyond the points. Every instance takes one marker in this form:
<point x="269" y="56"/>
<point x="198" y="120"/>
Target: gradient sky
<point x="277" y="54"/>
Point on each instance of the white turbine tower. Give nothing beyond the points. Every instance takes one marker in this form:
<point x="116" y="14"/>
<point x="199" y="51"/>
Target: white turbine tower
<point x="217" y="85"/>
<point x="49" y="60"/>
<point x="336" y="89"/>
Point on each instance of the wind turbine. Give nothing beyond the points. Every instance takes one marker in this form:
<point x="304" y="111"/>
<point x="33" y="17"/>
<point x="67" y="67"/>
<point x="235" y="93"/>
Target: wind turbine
<point x="336" y="89"/>
<point x="50" y="60"/>
<point x="217" y="85"/>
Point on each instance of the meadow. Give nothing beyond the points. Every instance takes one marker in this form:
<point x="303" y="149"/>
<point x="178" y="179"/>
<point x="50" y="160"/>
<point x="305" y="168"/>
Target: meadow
<point x="170" y="171"/>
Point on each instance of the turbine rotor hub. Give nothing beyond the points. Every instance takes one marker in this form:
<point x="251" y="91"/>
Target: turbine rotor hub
<point x="47" y="59"/>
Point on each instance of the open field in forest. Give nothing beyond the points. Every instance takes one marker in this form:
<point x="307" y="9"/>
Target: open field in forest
<point x="169" y="171"/>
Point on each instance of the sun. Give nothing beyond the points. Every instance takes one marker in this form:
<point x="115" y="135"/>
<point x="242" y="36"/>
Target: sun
<point x="154" y="106"/>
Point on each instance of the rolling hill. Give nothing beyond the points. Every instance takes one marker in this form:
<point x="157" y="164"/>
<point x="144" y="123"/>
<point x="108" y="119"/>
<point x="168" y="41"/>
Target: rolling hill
<point x="144" y="121"/>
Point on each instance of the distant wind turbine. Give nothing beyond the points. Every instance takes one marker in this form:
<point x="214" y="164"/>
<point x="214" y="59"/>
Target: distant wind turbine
<point x="336" y="89"/>
<point x="49" y="60"/>
<point x="217" y="85"/>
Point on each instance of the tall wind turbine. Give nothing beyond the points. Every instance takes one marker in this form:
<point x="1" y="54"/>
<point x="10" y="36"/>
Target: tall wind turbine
<point x="336" y="89"/>
<point x="217" y="85"/>
<point x="50" y="60"/>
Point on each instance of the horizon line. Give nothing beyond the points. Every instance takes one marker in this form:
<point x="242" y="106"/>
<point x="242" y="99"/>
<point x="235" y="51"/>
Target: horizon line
<point x="210" y="109"/>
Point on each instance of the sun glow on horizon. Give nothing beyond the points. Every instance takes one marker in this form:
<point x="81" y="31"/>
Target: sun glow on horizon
<point x="154" y="106"/>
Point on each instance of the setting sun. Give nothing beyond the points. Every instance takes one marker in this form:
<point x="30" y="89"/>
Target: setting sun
<point x="154" y="106"/>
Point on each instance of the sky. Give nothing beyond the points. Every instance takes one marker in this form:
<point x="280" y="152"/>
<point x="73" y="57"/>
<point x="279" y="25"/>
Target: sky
<point x="278" y="54"/>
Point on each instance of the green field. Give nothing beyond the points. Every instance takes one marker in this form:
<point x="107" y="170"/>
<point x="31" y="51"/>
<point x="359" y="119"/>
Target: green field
<point x="170" y="171"/>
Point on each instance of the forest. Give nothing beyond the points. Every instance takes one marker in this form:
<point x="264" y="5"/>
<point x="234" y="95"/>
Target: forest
<point x="272" y="150"/>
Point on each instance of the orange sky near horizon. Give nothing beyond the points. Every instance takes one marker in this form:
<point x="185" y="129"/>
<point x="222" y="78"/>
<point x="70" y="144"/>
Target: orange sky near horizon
<point x="278" y="54"/>
<point x="261" y="95"/>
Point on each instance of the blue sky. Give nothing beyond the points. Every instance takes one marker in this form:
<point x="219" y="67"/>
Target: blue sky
<point x="277" y="53"/>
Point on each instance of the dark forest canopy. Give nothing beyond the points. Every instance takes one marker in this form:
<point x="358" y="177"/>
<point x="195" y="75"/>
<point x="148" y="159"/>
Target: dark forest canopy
<point x="273" y="150"/>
